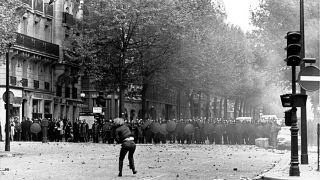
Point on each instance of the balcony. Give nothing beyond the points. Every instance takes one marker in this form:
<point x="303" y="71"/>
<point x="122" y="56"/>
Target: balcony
<point x="37" y="45"/>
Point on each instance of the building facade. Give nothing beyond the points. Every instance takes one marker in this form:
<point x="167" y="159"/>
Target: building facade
<point x="43" y="84"/>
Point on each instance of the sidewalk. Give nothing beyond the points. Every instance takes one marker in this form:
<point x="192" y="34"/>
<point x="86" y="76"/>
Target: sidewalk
<point x="281" y="170"/>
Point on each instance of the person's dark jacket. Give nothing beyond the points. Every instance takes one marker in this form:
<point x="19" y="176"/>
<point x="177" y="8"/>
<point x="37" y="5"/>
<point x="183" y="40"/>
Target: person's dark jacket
<point x="122" y="132"/>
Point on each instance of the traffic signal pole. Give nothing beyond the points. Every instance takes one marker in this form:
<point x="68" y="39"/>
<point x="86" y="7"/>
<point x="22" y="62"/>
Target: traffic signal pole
<point x="304" y="137"/>
<point x="294" y="163"/>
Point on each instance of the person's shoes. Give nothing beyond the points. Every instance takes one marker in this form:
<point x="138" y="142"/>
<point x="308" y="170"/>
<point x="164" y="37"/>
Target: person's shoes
<point x="120" y="174"/>
<point x="134" y="171"/>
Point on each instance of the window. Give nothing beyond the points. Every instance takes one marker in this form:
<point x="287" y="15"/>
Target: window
<point x="59" y="91"/>
<point x="37" y="26"/>
<point x="25" y="25"/>
<point x="67" y="92"/>
<point x="48" y="9"/>
<point x="38" y="5"/>
<point x="36" y="84"/>
<point x="48" y="31"/>
<point x="47" y="107"/>
<point x="13" y="80"/>
<point x="74" y="93"/>
<point x="46" y="86"/>
<point x="24" y="82"/>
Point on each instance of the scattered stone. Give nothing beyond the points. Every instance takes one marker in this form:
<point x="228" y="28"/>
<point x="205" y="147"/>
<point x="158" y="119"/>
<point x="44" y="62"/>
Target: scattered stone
<point x="235" y="169"/>
<point x="5" y="169"/>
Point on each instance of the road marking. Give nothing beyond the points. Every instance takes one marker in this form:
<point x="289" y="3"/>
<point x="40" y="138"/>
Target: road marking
<point x="310" y="78"/>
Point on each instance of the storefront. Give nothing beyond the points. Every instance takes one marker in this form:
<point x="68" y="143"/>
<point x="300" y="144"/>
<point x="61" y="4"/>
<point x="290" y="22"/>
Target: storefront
<point x="15" y="111"/>
<point x="37" y="105"/>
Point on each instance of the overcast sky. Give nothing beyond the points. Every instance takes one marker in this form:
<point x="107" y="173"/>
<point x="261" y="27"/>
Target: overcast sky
<point x="238" y="12"/>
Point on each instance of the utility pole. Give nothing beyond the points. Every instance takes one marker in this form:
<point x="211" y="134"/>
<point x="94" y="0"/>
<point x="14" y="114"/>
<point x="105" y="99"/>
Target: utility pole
<point x="7" y="128"/>
<point x="304" y="136"/>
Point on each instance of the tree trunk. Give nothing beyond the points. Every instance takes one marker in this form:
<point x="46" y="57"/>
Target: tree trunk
<point x="121" y="101"/>
<point x="144" y="101"/>
<point x="199" y="105"/>
<point x="225" y="108"/>
<point x="245" y="109"/>
<point x="241" y="108"/>
<point x="215" y="112"/>
<point x="191" y="104"/>
<point x="179" y="104"/>
<point x="220" y="108"/>
<point x="207" y="106"/>
<point x="235" y="109"/>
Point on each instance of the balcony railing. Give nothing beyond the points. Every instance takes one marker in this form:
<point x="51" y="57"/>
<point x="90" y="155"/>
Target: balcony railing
<point x="37" y="44"/>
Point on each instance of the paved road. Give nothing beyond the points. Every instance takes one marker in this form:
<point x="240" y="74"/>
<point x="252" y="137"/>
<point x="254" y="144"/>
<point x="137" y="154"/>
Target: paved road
<point x="82" y="161"/>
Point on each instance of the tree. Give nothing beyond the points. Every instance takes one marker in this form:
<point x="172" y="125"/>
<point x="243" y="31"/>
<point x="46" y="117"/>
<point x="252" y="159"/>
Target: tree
<point x="273" y="20"/>
<point x="126" y="41"/>
<point x="10" y="15"/>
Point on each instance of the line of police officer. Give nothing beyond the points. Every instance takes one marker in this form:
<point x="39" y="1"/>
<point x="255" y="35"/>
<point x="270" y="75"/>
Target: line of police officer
<point x="197" y="130"/>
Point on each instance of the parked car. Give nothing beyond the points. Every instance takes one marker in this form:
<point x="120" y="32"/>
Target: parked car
<point x="284" y="138"/>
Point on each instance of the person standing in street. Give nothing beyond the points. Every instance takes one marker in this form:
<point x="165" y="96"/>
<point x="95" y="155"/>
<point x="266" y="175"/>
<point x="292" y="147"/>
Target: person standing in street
<point x="95" y="131"/>
<point x="125" y="137"/>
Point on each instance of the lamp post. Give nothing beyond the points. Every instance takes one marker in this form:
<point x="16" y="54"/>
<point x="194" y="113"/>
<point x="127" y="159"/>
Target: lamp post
<point x="304" y="129"/>
<point x="82" y="96"/>
<point x="7" y="127"/>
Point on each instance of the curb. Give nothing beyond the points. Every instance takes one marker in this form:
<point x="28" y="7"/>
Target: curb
<point x="281" y="171"/>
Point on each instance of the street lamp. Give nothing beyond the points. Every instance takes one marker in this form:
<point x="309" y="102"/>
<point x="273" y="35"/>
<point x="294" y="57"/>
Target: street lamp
<point x="82" y="95"/>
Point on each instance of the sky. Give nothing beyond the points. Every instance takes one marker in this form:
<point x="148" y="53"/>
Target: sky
<point x="238" y="12"/>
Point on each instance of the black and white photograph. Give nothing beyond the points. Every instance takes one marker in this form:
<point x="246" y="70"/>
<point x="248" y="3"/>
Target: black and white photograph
<point x="159" y="89"/>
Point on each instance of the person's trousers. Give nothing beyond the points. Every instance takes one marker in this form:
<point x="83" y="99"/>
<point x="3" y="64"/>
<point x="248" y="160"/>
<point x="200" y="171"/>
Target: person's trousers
<point x="127" y="146"/>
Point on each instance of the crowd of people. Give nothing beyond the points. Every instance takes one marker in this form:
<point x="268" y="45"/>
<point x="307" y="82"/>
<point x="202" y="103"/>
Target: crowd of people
<point x="183" y="131"/>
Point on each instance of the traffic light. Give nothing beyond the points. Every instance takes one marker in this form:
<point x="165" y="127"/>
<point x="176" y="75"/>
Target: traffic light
<point x="288" y="117"/>
<point x="293" y="100"/>
<point x="293" y="48"/>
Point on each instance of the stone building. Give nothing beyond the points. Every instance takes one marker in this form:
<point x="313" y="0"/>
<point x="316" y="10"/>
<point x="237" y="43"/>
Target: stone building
<point x="43" y="84"/>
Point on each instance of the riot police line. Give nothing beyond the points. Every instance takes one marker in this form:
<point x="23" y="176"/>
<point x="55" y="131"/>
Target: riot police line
<point x="190" y="131"/>
<point x="183" y="131"/>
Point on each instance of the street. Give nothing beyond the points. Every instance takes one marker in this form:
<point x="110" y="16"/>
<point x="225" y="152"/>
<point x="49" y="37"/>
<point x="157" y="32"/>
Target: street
<point x="62" y="160"/>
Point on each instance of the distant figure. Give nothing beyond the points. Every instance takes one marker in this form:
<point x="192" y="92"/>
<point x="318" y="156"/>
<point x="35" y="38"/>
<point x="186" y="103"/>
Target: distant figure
<point x="124" y="136"/>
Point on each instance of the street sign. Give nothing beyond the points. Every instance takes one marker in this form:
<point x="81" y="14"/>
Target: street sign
<point x="11" y="97"/>
<point x="97" y="109"/>
<point x="309" y="78"/>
